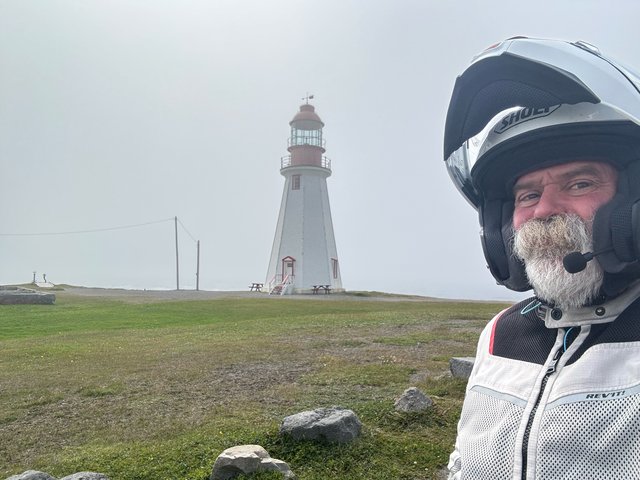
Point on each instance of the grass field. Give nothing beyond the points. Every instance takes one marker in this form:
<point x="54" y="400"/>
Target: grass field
<point x="156" y="390"/>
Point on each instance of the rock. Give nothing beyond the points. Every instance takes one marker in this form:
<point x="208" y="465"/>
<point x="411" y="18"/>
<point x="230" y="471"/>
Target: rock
<point x="442" y="474"/>
<point x="32" y="475"/>
<point x="247" y="459"/>
<point x="461" y="366"/>
<point x="86" y="476"/>
<point x="334" y="425"/>
<point x="413" y="400"/>
<point x="10" y="295"/>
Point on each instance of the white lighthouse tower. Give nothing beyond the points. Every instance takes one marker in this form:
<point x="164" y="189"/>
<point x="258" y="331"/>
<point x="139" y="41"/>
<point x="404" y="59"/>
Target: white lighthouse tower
<point x="304" y="257"/>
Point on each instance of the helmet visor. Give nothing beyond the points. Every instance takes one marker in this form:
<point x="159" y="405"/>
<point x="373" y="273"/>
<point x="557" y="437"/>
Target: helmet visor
<point x="459" y="165"/>
<point x="461" y="162"/>
<point x="535" y="73"/>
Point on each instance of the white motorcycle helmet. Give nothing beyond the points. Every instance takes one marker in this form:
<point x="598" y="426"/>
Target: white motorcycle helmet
<point x="526" y="104"/>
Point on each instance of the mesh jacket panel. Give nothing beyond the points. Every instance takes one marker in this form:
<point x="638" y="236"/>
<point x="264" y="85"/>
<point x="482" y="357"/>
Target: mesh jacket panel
<point x="591" y="440"/>
<point x="489" y="434"/>
<point x="523" y="337"/>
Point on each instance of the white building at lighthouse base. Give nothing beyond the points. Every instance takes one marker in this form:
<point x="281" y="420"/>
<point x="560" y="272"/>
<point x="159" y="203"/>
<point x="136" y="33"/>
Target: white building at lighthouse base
<point x="304" y="254"/>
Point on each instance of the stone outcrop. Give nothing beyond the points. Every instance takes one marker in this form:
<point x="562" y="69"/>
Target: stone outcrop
<point x="461" y="366"/>
<point x="86" y="476"/>
<point x="24" y="296"/>
<point x="333" y="425"/>
<point x="413" y="400"/>
<point x="36" y="475"/>
<point x="247" y="459"/>
<point x="32" y="475"/>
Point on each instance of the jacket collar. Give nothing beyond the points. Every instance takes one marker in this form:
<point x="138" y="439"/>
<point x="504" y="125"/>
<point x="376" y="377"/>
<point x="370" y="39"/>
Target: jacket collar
<point x="594" y="314"/>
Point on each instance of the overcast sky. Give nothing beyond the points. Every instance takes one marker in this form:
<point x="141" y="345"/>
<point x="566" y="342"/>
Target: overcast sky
<point x="125" y="112"/>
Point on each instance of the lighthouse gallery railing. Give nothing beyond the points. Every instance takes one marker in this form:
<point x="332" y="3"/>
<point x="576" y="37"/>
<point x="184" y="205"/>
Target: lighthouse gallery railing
<point x="324" y="162"/>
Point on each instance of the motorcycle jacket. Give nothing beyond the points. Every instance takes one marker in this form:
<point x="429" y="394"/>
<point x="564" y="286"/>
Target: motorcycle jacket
<point x="554" y="395"/>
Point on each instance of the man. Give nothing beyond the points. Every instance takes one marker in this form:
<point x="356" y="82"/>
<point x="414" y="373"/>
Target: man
<point x="552" y="217"/>
<point x="543" y="139"/>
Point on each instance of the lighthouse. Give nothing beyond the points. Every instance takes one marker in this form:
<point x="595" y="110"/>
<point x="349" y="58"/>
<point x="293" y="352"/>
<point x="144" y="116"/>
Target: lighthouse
<point x="304" y="258"/>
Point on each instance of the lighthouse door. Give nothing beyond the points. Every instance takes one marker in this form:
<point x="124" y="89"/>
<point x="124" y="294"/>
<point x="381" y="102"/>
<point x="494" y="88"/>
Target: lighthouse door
<point x="288" y="267"/>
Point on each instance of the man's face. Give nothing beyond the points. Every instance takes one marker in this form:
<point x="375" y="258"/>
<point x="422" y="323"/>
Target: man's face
<point x="578" y="188"/>
<point x="553" y="216"/>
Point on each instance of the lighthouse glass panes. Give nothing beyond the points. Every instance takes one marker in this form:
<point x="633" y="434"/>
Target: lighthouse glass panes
<point x="306" y="137"/>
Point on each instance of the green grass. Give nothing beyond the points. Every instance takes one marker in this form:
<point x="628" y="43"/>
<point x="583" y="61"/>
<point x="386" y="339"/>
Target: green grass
<point x="158" y="390"/>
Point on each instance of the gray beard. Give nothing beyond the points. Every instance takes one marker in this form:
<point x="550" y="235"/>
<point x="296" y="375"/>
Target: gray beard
<point x="542" y="244"/>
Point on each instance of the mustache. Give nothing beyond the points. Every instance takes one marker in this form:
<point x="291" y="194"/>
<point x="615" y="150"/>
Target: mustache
<point x="552" y="236"/>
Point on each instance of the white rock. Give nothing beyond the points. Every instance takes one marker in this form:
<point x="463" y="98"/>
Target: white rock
<point x="86" y="476"/>
<point x="247" y="459"/>
<point x="32" y="475"/>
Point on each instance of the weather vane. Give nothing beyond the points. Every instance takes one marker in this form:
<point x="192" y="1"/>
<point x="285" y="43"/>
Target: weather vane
<point x="307" y="98"/>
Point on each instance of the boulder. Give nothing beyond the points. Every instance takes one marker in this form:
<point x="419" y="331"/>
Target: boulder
<point x="442" y="474"/>
<point x="86" y="476"/>
<point x="413" y="400"/>
<point x="461" y="366"/>
<point x="333" y="425"/>
<point x="32" y="475"/>
<point x="10" y="295"/>
<point x="247" y="459"/>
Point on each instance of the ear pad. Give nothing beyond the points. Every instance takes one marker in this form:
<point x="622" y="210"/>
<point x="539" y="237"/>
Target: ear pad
<point x="634" y="193"/>
<point x="612" y="230"/>
<point x="621" y="232"/>
<point x="614" y="226"/>
<point x="496" y="217"/>
<point x="635" y="227"/>
<point x="518" y="280"/>
<point x="492" y="243"/>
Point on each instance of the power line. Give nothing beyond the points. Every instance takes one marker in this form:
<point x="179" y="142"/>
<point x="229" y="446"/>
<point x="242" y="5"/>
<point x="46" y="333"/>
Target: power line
<point x="74" y="232"/>
<point x="122" y="227"/>
<point x="185" y="229"/>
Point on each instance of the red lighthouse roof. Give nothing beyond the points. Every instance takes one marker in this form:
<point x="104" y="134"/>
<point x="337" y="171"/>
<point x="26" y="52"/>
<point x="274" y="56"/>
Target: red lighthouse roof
<point x="306" y="114"/>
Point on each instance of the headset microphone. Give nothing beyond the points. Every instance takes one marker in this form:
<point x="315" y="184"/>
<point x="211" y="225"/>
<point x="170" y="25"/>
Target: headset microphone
<point x="576" y="261"/>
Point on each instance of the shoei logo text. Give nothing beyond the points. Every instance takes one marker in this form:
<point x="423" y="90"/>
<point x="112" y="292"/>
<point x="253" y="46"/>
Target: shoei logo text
<point x="523" y="115"/>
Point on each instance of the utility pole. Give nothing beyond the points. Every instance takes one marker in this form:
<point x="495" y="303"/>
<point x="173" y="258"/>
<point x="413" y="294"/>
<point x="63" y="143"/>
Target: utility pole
<point x="198" y="266"/>
<point x="177" y="264"/>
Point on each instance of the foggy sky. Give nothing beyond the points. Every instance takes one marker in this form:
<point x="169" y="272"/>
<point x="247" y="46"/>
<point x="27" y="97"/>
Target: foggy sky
<point x="124" y="112"/>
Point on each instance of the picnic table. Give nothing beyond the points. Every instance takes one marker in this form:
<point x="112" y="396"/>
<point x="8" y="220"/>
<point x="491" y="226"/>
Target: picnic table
<point x="326" y="288"/>
<point x="257" y="287"/>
